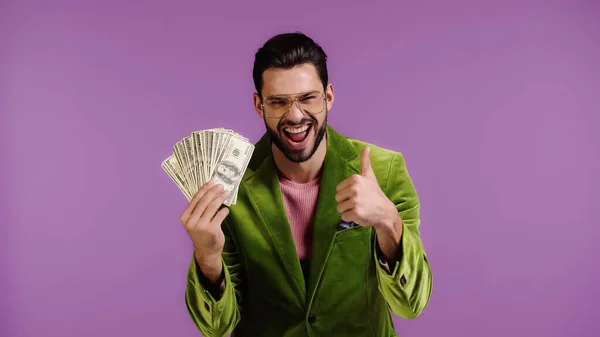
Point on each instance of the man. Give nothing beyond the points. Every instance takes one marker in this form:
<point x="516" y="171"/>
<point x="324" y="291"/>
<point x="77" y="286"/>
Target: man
<point x="323" y="239"/>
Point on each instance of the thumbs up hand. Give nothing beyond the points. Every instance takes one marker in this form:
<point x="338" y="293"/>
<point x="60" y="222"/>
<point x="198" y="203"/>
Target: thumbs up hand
<point x="361" y="200"/>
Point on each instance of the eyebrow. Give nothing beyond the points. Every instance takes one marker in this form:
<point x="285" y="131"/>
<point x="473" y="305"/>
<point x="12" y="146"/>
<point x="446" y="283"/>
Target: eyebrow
<point x="279" y="96"/>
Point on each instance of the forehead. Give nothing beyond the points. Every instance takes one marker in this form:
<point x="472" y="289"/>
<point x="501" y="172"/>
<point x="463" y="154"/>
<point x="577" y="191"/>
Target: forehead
<point x="299" y="79"/>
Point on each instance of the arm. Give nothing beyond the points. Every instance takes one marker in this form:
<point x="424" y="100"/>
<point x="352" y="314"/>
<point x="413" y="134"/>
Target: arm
<point x="216" y="310"/>
<point x="403" y="271"/>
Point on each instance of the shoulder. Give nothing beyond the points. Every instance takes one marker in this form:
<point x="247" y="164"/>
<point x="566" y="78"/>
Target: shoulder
<point x="388" y="165"/>
<point x="390" y="170"/>
<point x="381" y="158"/>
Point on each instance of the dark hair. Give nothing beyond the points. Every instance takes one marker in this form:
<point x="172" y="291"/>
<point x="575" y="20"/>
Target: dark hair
<point x="286" y="51"/>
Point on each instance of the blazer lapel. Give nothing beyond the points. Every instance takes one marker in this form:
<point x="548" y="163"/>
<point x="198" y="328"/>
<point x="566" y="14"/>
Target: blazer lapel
<point x="262" y="186"/>
<point x="339" y="165"/>
<point x="265" y="196"/>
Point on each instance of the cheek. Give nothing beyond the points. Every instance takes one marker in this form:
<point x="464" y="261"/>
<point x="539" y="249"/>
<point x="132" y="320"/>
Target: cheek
<point x="272" y="123"/>
<point x="320" y="119"/>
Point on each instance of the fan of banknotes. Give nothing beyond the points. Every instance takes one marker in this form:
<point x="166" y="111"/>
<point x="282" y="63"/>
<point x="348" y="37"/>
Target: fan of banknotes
<point x="221" y="155"/>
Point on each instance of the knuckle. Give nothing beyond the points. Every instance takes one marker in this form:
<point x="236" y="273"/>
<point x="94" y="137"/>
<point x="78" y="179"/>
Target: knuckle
<point x="189" y="225"/>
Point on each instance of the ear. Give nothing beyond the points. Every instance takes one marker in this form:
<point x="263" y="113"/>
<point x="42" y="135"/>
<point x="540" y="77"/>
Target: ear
<point x="329" y="95"/>
<point x="258" y="105"/>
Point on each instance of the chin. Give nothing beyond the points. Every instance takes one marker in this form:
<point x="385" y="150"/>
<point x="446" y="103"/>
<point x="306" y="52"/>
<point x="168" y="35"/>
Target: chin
<point x="298" y="156"/>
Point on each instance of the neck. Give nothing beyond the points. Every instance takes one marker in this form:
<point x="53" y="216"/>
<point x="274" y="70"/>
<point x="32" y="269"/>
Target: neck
<point x="301" y="172"/>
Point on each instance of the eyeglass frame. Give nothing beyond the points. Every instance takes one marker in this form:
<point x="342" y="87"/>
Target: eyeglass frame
<point x="295" y="100"/>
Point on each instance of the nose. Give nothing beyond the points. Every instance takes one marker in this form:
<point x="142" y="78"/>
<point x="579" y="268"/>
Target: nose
<point x="295" y="114"/>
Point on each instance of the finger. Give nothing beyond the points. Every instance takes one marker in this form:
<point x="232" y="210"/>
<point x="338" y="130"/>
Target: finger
<point x="203" y="203"/>
<point x="346" y="193"/>
<point x="354" y="179"/>
<point x="192" y="204"/>
<point x="345" y="206"/>
<point x="365" y="162"/>
<point x="219" y="217"/>
<point x="349" y="216"/>
<point x="214" y="205"/>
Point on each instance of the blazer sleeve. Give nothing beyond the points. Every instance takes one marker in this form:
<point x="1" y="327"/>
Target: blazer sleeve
<point x="216" y="313"/>
<point x="406" y="285"/>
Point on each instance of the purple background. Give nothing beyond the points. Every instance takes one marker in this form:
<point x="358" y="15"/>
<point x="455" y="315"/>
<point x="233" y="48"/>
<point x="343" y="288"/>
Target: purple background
<point x="495" y="104"/>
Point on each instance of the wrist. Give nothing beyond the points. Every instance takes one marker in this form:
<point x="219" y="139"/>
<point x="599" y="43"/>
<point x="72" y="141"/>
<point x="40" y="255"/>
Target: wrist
<point x="210" y="265"/>
<point x="390" y="221"/>
<point x="391" y="230"/>
<point x="208" y="260"/>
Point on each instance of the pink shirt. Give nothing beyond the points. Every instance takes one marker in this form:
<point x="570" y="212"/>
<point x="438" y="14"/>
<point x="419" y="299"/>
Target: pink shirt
<point x="300" y="202"/>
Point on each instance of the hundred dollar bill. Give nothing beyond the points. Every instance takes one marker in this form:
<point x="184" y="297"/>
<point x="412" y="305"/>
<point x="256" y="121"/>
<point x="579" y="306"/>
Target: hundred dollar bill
<point x="171" y="167"/>
<point x="192" y="163"/>
<point x="229" y="170"/>
<point x="201" y="166"/>
<point x="183" y="153"/>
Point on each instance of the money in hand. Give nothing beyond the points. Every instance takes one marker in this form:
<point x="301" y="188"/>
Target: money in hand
<point x="220" y="155"/>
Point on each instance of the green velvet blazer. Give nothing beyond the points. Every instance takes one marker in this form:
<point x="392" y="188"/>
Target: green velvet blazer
<point x="347" y="292"/>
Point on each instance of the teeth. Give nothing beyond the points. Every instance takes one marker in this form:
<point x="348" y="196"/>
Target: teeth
<point x="296" y="130"/>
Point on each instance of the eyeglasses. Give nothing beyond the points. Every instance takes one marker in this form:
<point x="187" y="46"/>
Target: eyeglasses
<point x="277" y="106"/>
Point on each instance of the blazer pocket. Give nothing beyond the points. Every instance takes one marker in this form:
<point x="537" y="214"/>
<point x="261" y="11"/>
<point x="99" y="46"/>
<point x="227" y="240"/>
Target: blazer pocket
<point x="351" y="233"/>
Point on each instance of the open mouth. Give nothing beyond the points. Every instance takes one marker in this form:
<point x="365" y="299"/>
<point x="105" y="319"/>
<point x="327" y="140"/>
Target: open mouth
<point x="297" y="135"/>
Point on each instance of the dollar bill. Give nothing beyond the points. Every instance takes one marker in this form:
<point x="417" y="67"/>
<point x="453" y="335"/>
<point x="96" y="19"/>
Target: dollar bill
<point x="171" y="167"/>
<point x="183" y="160"/>
<point x="232" y="165"/>
<point x="217" y="154"/>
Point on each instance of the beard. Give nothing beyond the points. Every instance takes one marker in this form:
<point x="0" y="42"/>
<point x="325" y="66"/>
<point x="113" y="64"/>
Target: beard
<point x="298" y="155"/>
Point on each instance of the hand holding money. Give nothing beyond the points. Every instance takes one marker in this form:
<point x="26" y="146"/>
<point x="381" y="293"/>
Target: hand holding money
<point x="207" y="167"/>
<point x="202" y="220"/>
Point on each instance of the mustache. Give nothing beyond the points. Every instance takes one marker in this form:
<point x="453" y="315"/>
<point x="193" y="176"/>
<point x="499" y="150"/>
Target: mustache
<point x="301" y="122"/>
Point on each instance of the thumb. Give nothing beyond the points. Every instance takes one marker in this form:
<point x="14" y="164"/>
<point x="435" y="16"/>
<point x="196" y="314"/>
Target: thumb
<point x="365" y="162"/>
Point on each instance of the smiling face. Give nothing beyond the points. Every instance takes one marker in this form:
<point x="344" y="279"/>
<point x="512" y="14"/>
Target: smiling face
<point x="294" y="108"/>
